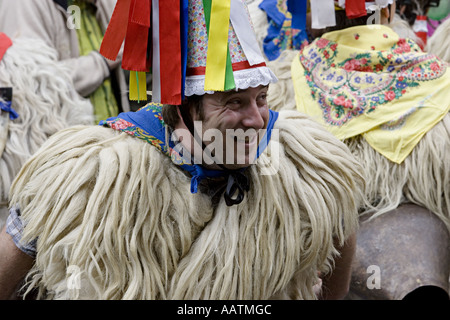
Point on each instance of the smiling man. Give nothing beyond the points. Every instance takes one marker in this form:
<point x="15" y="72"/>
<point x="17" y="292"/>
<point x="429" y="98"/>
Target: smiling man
<point x="239" y="116"/>
<point x="141" y="214"/>
<point x="228" y="127"/>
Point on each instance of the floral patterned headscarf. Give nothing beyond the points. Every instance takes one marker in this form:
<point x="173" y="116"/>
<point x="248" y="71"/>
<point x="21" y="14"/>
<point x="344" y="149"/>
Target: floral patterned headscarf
<point x="366" y="80"/>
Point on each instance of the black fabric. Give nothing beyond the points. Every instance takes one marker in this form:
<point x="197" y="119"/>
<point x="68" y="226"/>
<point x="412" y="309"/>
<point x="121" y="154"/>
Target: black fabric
<point x="62" y="3"/>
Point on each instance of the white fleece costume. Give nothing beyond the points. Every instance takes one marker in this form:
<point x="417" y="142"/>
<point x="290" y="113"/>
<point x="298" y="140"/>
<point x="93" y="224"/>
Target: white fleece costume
<point x="120" y="213"/>
<point x="44" y="98"/>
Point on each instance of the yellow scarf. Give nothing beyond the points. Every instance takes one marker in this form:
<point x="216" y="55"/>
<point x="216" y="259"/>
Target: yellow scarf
<point x="90" y="36"/>
<point x="366" y="80"/>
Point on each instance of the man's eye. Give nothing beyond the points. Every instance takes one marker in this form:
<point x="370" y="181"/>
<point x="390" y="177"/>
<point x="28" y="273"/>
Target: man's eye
<point x="234" y="102"/>
<point x="263" y="96"/>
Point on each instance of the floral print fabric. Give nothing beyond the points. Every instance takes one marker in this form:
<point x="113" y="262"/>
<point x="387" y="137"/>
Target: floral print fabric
<point x="366" y="78"/>
<point x="198" y="38"/>
<point x="282" y="32"/>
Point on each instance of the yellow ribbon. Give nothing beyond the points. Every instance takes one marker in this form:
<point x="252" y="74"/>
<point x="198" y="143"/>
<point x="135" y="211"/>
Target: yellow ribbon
<point x="138" y="86"/>
<point x="216" y="58"/>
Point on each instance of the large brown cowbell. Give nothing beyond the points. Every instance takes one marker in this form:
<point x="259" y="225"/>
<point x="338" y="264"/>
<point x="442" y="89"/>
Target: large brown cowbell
<point x="399" y="253"/>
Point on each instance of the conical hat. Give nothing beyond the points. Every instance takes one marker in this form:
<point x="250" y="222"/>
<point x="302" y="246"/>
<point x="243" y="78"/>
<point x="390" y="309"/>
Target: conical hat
<point x="191" y="47"/>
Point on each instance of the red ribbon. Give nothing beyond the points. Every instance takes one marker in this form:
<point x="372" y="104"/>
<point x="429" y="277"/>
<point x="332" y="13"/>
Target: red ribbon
<point x="136" y="40"/>
<point x="5" y="43"/>
<point x="355" y="8"/>
<point x="200" y="71"/>
<point x="115" y="33"/>
<point x="170" y="51"/>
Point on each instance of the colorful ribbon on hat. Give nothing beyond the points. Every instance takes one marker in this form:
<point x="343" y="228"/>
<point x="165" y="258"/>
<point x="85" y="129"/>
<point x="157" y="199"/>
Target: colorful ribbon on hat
<point x="169" y="32"/>
<point x="170" y="42"/>
<point x="135" y="15"/>
<point x="156" y="40"/>
<point x="241" y="24"/>
<point x="218" y="16"/>
<point x="143" y="44"/>
<point x="135" y="48"/>
<point x="219" y="72"/>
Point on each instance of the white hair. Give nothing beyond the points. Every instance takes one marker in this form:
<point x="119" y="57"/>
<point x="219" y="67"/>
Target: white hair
<point x="120" y="213"/>
<point x="281" y="94"/>
<point x="44" y="98"/>
<point x="439" y="42"/>
<point x="403" y="29"/>
<point x="422" y="178"/>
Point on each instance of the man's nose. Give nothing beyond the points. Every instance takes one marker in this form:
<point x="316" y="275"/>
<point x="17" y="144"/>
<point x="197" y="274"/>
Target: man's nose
<point x="253" y="117"/>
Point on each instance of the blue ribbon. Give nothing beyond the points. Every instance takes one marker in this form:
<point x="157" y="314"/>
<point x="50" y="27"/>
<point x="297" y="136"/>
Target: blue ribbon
<point x="298" y="9"/>
<point x="199" y="173"/>
<point x="6" y="106"/>
<point x="276" y="40"/>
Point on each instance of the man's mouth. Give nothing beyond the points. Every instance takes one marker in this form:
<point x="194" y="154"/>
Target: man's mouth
<point x="247" y="140"/>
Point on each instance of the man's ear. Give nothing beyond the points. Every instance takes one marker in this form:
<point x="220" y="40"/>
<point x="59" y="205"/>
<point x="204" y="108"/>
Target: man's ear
<point x="180" y="116"/>
<point x="185" y="104"/>
<point x="185" y="116"/>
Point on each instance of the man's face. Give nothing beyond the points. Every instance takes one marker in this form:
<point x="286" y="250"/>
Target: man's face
<point x="239" y="117"/>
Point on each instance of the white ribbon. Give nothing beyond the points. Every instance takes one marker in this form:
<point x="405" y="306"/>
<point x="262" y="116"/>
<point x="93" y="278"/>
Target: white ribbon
<point x="420" y="26"/>
<point x="322" y="14"/>
<point x="243" y="29"/>
<point x="156" y="72"/>
<point x="378" y="4"/>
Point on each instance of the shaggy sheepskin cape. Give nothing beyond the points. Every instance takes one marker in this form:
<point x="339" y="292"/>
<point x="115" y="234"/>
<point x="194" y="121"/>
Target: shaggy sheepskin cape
<point x="422" y="178"/>
<point x="115" y="218"/>
<point x="44" y="98"/>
